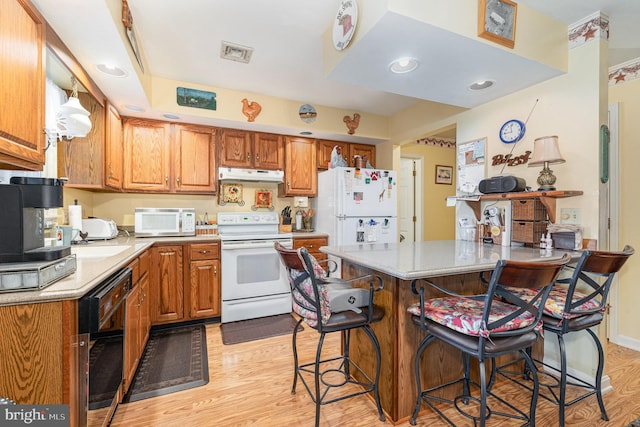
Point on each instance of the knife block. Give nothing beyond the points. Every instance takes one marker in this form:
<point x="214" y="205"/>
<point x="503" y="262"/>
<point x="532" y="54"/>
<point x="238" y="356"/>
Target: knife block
<point x="285" y="228"/>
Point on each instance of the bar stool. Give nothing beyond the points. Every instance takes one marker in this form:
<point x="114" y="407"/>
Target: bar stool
<point x="484" y="327"/>
<point x="311" y="291"/>
<point x="587" y="290"/>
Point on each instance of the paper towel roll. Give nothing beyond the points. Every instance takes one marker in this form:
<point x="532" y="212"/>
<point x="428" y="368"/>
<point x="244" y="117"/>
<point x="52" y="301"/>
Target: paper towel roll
<point x="75" y="219"/>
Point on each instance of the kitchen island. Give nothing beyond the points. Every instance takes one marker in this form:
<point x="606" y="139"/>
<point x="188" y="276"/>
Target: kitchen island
<point x="453" y="264"/>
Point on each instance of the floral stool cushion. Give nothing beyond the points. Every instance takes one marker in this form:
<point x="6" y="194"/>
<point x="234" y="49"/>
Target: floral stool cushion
<point x="465" y="315"/>
<point x="554" y="306"/>
<point x="301" y="305"/>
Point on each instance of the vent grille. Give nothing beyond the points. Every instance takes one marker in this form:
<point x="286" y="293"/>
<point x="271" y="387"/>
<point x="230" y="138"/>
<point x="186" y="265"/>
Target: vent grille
<point x="235" y="52"/>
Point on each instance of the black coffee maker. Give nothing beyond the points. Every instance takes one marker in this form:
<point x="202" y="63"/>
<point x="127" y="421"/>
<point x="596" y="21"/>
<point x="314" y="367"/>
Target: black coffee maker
<point x="22" y="223"/>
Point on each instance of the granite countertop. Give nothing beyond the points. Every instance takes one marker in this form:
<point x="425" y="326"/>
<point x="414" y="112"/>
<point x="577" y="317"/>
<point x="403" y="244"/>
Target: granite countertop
<point x="94" y="264"/>
<point x="411" y="260"/>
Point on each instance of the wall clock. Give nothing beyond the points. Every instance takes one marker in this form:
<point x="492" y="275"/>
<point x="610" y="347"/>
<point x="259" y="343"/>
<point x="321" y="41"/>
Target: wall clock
<point x="512" y="131"/>
<point x="344" y="25"/>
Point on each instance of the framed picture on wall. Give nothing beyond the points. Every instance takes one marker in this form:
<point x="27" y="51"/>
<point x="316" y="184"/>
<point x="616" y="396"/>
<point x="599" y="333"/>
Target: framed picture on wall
<point x="497" y="21"/>
<point x="444" y="174"/>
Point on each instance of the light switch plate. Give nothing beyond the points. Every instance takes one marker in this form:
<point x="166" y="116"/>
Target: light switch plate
<point x="570" y="216"/>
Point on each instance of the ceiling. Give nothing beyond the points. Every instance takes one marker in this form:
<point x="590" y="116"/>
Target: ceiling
<point x="181" y="41"/>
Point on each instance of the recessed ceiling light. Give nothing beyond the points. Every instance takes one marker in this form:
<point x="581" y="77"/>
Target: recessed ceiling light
<point x="133" y="107"/>
<point x="481" y="84"/>
<point x="171" y="116"/>
<point x="403" y="65"/>
<point x="306" y="133"/>
<point x="111" y="70"/>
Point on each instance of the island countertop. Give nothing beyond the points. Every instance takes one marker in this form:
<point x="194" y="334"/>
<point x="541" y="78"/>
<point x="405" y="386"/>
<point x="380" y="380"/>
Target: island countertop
<point x="412" y="260"/>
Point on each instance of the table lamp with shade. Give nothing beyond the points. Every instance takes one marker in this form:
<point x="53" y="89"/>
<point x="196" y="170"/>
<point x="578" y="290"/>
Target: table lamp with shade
<point x="546" y="152"/>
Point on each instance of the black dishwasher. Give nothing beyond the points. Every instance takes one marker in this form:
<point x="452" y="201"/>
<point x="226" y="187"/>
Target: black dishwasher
<point x="101" y="317"/>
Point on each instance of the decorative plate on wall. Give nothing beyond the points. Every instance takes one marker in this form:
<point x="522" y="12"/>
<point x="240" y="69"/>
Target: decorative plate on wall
<point x="230" y="193"/>
<point x="263" y="200"/>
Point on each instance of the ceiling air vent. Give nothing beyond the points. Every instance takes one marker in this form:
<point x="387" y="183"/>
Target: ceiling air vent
<point x="235" y="52"/>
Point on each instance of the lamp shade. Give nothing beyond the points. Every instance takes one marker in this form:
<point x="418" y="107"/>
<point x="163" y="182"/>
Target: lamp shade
<point x="73" y="119"/>
<point x="545" y="149"/>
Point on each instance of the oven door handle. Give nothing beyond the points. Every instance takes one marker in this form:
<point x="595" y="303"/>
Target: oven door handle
<point x="253" y="244"/>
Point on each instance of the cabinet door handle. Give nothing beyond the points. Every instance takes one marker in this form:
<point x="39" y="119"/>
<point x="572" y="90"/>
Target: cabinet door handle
<point x="178" y="181"/>
<point x="204" y="251"/>
<point x="248" y="157"/>
<point x="289" y="184"/>
<point x="257" y="157"/>
<point x="215" y="269"/>
<point x="166" y="179"/>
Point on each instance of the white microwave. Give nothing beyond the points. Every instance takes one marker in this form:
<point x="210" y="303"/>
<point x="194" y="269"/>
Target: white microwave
<point x="154" y="222"/>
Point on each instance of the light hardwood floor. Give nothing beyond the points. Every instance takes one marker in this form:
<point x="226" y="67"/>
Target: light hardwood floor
<point x="249" y="385"/>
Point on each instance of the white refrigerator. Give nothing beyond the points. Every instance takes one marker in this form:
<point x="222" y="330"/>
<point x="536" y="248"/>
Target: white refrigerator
<point x="357" y="206"/>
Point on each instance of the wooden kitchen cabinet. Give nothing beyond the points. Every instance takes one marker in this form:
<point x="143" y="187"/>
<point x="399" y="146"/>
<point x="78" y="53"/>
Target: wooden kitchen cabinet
<point x="22" y="87"/>
<point x="113" y="148"/>
<point x="195" y="163"/>
<point x="166" y="284"/>
<point x="312" y="244"/>
<point x="253" y="150"/>
<point x="137" y="322"/>
<point x="362" y="150"/>
<point x="80" y="159"/>
<point x="204" y="280"/>
<point x="168" y="158"/>
<point x="40" y="355"/>
<point x="348" y="150"/>
<point x="300" y="172"/>
<point x="146" y="155"/>
<point x="324" y="152"/>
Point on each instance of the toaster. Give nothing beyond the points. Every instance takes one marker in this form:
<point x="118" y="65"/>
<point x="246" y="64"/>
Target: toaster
<point x="99" y="229"/>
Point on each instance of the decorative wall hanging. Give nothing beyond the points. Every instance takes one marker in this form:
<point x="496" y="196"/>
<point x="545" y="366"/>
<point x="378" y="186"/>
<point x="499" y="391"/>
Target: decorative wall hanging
<point x="497" y="21"/>
<point x="127" y="21"/>
<point x="195" y="98"/>
<point x="352" y="124"/>
<point x="307" y="113"/>
<point x="230" y="193"/>
<point x="444" y="174"/>
<point x="344" y="25"/>
<point x="263" y="200"/>
<point x="250" y="109"/>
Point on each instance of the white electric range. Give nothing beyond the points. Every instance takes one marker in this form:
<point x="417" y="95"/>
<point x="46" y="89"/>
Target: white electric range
<point x="254" y="282"/>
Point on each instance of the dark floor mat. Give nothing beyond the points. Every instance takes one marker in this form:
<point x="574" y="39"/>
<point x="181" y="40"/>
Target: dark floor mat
<point x="256" y="329"/>
<point x="175" y="359"/>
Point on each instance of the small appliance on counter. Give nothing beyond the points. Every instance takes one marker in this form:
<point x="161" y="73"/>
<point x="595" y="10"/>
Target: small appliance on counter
<point x="99" y="228"/>
<point x="22" y="219"/>
<point x="154" y="222"/>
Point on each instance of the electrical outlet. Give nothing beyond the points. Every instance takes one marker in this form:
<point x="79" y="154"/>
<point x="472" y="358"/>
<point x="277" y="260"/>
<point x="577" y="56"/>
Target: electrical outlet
<point x="570" y="216"/>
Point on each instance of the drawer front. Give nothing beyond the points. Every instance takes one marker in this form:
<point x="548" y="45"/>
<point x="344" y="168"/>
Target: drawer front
<point x="528" y="210"/>
<point x="312" y="245"/>
<point x="527" y="231"/>
<point x="199" y="251"/>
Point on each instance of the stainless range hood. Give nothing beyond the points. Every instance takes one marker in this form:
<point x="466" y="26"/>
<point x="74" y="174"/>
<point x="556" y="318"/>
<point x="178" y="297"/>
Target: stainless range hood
<point x="239" y="174"/>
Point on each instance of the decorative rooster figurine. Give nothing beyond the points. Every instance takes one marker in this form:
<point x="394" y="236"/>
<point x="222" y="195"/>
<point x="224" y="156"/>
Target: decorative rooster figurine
<point x="336" y="158"/>
<point x="352" y="124"/>
<point x="250" y="109"/>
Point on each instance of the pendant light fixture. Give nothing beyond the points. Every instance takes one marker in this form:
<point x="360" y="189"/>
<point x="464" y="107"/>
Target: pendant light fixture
<point x="72" y="118"/>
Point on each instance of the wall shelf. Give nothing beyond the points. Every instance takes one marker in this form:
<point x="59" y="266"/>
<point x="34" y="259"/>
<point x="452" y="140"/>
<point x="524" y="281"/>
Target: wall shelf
<point x="548" y="199"/>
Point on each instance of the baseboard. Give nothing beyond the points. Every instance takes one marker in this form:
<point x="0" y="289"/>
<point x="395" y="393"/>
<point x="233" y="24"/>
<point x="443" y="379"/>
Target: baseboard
<point x="627" y="342"/>
<point x="554" y="369"/>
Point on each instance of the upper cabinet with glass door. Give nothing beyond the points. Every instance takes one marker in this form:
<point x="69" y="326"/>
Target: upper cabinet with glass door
<point x="22" y="88"/>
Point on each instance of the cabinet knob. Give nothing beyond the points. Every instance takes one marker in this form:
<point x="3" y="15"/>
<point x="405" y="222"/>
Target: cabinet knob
<point x="289" y="184"/>
<point x="248" y="157"/>
<point x="215" y="269"/>
<point x="166" y="179"/>
<point x="178" y="180"/>
<point x="204" y="251"/>
<point x="257" y="157"/>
